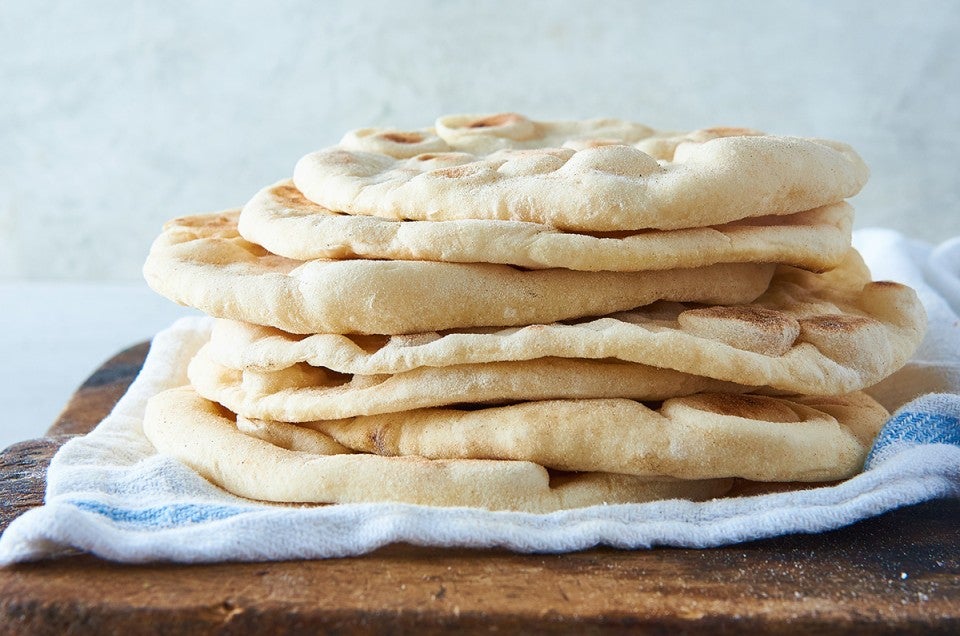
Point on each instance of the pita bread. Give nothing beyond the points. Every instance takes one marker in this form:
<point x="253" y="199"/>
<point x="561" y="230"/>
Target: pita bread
<point x="204" y="436"/>
<point x="595" y="175"/>
<point x="202" y="262"/>
<point x="811" y="334"/>
<point x="281" y="219"/>
<point x="291" y="437"/>
<point x="695" y="437"/>
<point x="303" y="393"/>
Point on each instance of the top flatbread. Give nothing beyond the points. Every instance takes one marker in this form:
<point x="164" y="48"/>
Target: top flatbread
<point x="595" y="175"/>
<point x="281" y="219"/>
<point x="202" y="262"/>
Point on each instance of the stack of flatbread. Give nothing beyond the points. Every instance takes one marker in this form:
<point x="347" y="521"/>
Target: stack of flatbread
<point x="512" y="314"/>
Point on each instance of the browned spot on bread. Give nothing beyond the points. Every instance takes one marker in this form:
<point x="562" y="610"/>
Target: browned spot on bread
<point x="340" y="157"/>
<point x="290" y="194"/>
<point x="887" y="284"/>
<point x="836" y="323"/>
<point x="756" y="329"/>
<point x="402" y="137"/>
<point x="457" y="172"/>
<point x="766" y="319"/>
<point x="426" y="156"/>
<point x="856" y="342"/>
<point x="495" y="120"/>
<point x="202" y="220"/>
<point x="378" y="441"/>
<point x="753" y="407"/>
<point x="205" y="225"/>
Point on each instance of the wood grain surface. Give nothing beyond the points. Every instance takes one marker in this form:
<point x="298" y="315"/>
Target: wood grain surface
<point x="897" y="573"/>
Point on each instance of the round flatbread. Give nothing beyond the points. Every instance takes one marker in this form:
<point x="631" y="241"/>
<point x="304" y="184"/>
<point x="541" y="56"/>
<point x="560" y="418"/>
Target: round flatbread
<point x="281" y="219"/>
<point x="204" y="436"/>
<point x="811" y="334"/>
<point x="694" y="437"/>
<point x="594" y="175"/>
<point x="302" y="393"/>
<point x="202" y="262"/>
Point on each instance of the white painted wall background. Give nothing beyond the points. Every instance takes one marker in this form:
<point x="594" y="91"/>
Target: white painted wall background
<point x="115" y="116"/>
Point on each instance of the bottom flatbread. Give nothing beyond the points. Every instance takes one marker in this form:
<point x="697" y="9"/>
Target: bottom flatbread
<point x="204" y="436"/>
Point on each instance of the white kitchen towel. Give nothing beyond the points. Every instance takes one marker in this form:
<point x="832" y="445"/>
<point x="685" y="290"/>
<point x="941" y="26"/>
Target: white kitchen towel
<point x="110" y="494"/>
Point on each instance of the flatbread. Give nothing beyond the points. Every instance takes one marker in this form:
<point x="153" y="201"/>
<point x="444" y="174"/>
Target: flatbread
<point x="594" y="175"/>
<point x="811" y="334"/>
<point x="302" y="393"/>
<point x="694" y="437"/>
<point x="281" y="219"/>
<point x="204" y="436"/>
<point x="201" y="261"/>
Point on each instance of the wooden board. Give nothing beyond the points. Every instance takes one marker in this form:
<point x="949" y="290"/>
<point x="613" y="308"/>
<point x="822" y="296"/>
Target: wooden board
<point x="898" y="573"/>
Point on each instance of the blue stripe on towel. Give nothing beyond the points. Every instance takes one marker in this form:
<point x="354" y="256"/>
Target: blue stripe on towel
<point x="933" y="419"/>
<point x="167" y="516"/>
